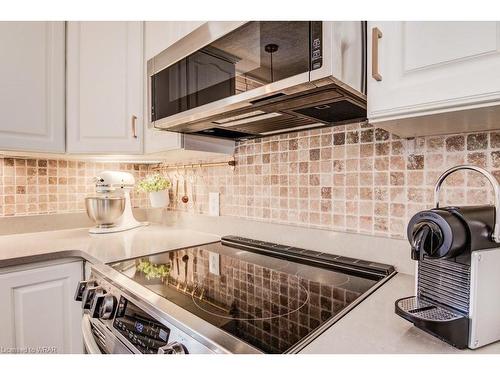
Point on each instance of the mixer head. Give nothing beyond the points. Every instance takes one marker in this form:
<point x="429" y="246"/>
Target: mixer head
<point x="110" y="181"/>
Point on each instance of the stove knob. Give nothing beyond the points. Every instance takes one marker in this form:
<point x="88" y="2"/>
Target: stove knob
<point x="173" y="348"/>
<point x="88" y="296"/>
<point x="103" y="306"/>
<point x="107" y="308"/>
<point x="80" y="289"/>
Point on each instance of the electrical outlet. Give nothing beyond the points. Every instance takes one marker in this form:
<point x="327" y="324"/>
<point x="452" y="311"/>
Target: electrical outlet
<point x="213" y="204"/>
<point x="214" y="263"/>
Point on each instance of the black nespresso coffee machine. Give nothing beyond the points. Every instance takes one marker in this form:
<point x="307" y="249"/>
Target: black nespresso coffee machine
<point x="457" y="250"/>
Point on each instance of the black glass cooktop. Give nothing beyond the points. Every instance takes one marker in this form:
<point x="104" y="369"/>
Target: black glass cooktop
<point x="270" y="296"/>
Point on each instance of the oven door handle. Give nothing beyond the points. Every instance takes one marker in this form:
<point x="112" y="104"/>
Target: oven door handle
<point x="88" y="338"/>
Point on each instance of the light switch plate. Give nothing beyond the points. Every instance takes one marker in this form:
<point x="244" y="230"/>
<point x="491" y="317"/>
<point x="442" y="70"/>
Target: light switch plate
<point x="214" y="263"/>
<point x="214" y="204"/>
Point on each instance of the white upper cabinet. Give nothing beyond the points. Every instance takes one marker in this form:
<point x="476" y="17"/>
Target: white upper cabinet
<point x="81" y="88"/>
<point x="434" y="77"/>
<point x="158" y="36"/>
<point x="32" y="88"/>
<point x="105" y="87"/>
<point x="162" y="34"/>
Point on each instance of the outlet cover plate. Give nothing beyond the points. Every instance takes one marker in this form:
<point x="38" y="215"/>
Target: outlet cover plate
<point x="214" y="204"/>
<point x="214" y="263"/>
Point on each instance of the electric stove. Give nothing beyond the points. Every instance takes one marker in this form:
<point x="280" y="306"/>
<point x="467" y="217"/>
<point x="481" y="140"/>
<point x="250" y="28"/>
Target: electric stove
<point x="270" y="297"/>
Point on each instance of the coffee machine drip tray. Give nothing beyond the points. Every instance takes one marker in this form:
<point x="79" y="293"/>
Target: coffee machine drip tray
<point x="446" y="324"/>
<point x="425" y="310"/>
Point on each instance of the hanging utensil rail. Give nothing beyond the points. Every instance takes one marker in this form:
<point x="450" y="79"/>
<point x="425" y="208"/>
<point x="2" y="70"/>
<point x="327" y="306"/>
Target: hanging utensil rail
<point x="163" y="167"/>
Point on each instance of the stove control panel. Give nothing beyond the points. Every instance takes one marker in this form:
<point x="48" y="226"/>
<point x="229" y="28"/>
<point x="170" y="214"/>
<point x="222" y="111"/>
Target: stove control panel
<point x="105" y="303"/>
<point x="144" y="332"/>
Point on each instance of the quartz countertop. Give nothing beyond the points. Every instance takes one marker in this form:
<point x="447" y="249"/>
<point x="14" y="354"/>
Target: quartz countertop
<point x="372" y="327"/>
<point x="26" y="248"/>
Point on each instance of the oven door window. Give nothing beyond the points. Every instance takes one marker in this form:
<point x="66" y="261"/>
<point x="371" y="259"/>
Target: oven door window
<point x="254" y="55"/>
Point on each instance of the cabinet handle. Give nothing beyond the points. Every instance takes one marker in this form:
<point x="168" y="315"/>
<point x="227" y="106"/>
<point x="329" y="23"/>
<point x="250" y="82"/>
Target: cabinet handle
<point x="134" y="130"/>
<point x="376" y="35"/>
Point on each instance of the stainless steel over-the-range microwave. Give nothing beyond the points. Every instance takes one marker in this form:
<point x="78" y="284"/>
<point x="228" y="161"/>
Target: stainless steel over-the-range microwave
<point x="245" y="79"/>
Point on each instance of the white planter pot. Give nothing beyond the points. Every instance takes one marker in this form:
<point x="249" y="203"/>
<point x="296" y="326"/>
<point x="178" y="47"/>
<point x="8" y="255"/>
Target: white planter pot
<point x="159" y="199"/>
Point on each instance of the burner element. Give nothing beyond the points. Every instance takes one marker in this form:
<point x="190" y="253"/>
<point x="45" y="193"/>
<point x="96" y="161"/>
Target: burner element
<point x="234" y="311"/>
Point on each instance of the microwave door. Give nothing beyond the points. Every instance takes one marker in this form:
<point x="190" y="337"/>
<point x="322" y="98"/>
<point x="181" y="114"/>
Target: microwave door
<point x="256" y="60"/>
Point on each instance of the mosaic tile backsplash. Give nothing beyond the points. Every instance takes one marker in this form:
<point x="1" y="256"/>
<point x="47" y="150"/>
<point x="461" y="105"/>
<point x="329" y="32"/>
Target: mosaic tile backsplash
<point x="42" y="186"/>
<point x="354" y="178"/>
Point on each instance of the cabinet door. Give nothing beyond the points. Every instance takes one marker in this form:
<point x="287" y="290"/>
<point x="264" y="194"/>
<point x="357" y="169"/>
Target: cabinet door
<point x="161" y="34"/>
<point x="38" y="311"/>
<point x="32" y="88"/>
<point x="105" y="87"/>
<point x="432" y="67"/>
<point x="158" y="36"/>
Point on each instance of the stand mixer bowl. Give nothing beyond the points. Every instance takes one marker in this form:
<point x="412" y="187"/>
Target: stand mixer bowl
<point x="105" y="210"/>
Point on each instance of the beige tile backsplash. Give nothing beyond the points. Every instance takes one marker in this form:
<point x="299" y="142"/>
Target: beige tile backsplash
<point x="42" y="186"/>
<point x="354" y="178"/>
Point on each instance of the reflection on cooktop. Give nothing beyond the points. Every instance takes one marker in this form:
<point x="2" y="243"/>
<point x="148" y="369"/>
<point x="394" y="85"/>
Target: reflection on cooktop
<point x="268" y="302"/>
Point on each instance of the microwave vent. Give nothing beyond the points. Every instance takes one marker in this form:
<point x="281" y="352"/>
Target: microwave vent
<point x="337" y="111"/>
<point x="247" y="120"/>
<point x="224" y="133"/>
<point x="278" y="124"/>
<point x="238" y="117"/>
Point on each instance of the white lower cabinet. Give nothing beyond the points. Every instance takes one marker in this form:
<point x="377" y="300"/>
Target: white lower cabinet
<point x="38" y="313"/>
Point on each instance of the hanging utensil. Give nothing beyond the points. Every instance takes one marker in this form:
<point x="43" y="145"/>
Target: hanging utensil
<point x="185" y="259"/>
<point x="185" y="197"/>
<point x="176" y="197"/>
<point x="171" y="178"/>
<point x="171" y="258"/>
<point x="194" y="185"/>
<point x="195" y="261"/>
<point x="178" y="269"/>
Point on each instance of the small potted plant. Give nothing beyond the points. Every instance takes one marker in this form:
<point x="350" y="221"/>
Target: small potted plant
<point x="157" y="187"/>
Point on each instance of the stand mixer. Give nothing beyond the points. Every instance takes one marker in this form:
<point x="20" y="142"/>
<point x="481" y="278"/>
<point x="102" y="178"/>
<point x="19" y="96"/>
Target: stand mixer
<point x="110" y="208"/>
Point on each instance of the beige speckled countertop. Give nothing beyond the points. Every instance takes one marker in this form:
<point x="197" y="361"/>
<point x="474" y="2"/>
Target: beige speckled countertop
<point x="372" y="327"/>
<point x="25" y="248"/>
